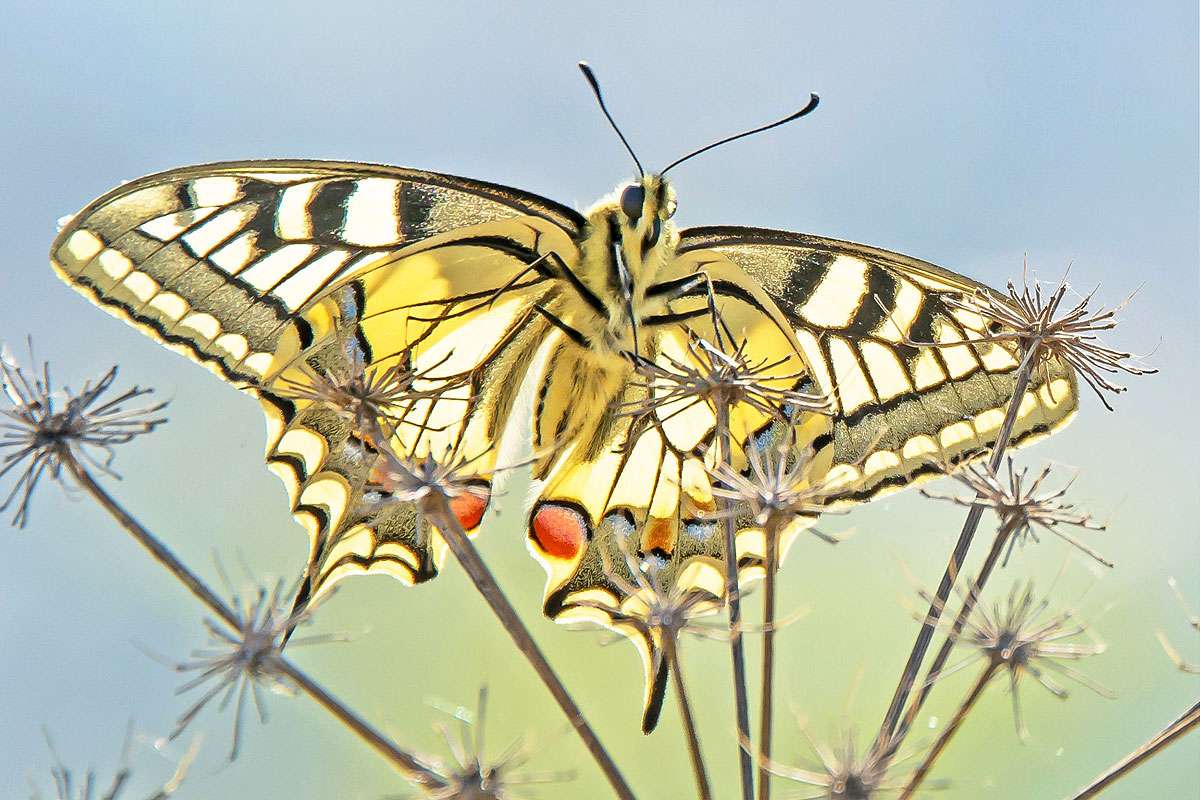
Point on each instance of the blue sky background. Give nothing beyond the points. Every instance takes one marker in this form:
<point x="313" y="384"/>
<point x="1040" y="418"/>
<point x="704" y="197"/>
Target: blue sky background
<point x="965" y="134"/>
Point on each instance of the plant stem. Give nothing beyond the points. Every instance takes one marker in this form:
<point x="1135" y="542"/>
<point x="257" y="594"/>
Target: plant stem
<point x="437" y="510"/>
<point x="943" y="655"/>
<point x="671" y="654"/>
<point x="771" y="530"/>
<point x="406" y="762"/>
<point x="732" y="598"/>
<point x="1177" y="729"/>
<point x="947" y="734"/>
<point x="158" y="551"/>
<point x="884" y="743"/>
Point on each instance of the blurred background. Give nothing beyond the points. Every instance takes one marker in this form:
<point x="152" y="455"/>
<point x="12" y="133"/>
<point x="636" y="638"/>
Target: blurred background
<point x="968" y="136"/>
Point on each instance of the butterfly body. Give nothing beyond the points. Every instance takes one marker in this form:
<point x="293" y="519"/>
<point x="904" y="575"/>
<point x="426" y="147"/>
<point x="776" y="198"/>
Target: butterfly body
<point x="300" y="281"/>
<point x="611" y="276"/>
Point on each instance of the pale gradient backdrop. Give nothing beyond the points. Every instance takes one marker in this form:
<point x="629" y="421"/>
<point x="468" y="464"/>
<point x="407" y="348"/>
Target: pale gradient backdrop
<point x="963" y="135"/>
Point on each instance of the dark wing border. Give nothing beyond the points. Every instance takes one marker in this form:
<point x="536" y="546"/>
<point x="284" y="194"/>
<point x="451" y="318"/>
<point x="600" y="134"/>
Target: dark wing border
<point x="725" y="235"/>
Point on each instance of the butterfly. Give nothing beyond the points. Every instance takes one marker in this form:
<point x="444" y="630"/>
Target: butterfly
<point x="449" y="297"/>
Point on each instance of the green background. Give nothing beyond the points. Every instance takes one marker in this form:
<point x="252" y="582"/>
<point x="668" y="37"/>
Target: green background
<point x="965" y="135"/>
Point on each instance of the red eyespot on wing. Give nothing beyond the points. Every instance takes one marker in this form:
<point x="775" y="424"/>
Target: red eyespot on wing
<point x="469" y="507"/>
<point x="559" y="531"/>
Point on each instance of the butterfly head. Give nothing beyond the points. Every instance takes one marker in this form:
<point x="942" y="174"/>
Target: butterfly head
<point x="643" y="210"/>
<point x="627" y="241"/>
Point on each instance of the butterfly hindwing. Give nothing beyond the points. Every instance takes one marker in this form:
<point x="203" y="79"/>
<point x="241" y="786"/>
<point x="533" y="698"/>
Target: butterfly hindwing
<point x="633" y="488"/>
<point x="275" y="274"/>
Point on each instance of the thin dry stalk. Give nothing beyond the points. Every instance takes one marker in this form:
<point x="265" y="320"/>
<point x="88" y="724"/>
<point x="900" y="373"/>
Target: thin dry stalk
<point x="767" y="705"/>
<point x="1016" y="637"/>
<point x="724" y="377"/>
<point x="699" y="771"/>
<point x="885" y="739"/>
<point x="436" y="508"/>
<point x="1155" y="745"/>
<point x="939" y="662"/>
<point x="778" y="488"/>
<point x="960" y="714"/>
<point x="402" y="760"/>
<point x="737" y="651"/>
<point x="1020" y="507"/>
<point x="1032" y="321"/>
<point x="662" y="613"/>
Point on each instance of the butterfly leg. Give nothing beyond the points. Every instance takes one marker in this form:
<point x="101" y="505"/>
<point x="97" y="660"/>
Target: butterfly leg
<point x="579" y="286"/>
<point x="571" y="333"/>
<point x="678" y="288"/>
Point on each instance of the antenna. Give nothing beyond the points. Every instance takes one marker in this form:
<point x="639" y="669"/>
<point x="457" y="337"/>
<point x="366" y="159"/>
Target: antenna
<point x="812" y="104"/>
<point x="595" y="84"/>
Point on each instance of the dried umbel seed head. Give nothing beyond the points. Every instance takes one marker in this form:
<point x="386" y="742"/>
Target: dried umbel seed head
<point x="655" y="607"/>
<point x="840" y="773"/>
<point x="45" y="430"/>
<point x="370" y="397"/>
<point x="467" y="774"/>
<point x="781" y="483"/>
<point x="1022" y="506"/>
<point x="1017" y="637"/>
<point x="716" y="377"/>
<point x="66" y="787"/>
<point x="1040" y="327"/>
<point x="412" y="478"/>
<point x="245" y="661"/>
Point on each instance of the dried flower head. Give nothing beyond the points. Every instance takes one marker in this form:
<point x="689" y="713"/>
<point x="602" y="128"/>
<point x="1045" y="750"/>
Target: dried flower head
<point x="423" y="479"/>
<point x="65" y="787"/>
<point x="247" y="660"/>
<point x="468" y="775"/>
<point x="1022" y="506"/>
<point x="1017" y="637"/>
<point x="366" y="396"/>
<point x="779" y="486"/>
<point x="720" y="377"/>
<point x="1193" y="619"/>
<point x="657" y="609"/>
<point x="840" y="773"/>
<point x="1036" y="323"/>
<point x="46" y="429"/>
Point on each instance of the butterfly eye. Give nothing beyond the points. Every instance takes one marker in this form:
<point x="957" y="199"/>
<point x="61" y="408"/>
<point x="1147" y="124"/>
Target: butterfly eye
<point x="632" y="200"/>
<point x="655" y="232"/>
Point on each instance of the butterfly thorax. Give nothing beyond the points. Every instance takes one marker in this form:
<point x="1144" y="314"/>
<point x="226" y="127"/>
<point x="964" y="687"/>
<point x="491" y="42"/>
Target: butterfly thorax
<point x="624" y="248"/>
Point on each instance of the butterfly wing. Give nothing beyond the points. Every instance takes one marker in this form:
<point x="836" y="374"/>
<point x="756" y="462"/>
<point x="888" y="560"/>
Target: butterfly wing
<point x="836" y="318"/>
<point x="278" y="275"/>
<point x="626" y="511"/>
<point x="861" y="316"/>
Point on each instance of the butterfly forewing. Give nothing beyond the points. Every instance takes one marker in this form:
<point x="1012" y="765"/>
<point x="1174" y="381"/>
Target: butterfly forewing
<point x="881" y="338"/>
<point x="276" y="274"/>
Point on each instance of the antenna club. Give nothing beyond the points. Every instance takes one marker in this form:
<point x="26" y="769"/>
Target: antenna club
<point x="595" y="84"/>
